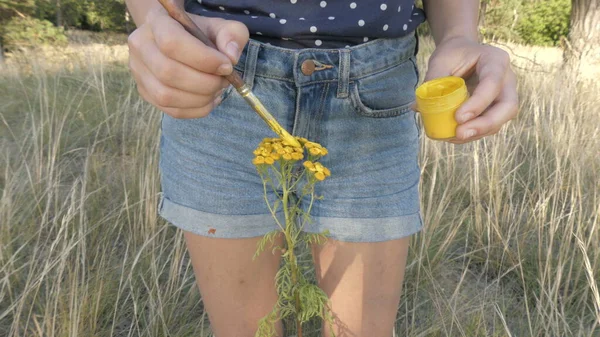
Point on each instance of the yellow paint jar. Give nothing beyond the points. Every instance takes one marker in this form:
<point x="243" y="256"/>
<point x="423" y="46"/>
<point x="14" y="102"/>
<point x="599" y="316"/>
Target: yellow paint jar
<point x="437" y="102"/>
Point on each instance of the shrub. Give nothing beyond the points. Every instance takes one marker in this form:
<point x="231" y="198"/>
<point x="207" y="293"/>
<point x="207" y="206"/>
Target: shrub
<point x="544" y="23"/>
<point x="29" y="32"/>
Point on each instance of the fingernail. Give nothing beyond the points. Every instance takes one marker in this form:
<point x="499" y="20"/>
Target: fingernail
<point x="233" y="50"/>
<point x="224" y="69"/>
<point x="469" y="134"/>
<point x="465" y="117"/>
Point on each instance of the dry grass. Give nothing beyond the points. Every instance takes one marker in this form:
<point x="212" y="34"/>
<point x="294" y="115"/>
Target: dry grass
<point x="512" y="222"/>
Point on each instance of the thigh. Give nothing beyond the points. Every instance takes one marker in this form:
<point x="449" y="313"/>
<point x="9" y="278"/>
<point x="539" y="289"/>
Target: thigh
<point x="363" y="282"/>
<point x="236" y="290"/>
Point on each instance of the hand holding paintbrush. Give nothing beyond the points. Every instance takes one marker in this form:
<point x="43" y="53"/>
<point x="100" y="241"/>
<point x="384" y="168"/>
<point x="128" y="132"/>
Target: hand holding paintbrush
<point x="175" y="89"/>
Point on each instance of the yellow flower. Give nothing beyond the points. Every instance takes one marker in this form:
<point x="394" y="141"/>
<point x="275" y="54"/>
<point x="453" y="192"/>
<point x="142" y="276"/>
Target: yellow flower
<point x="258" y="160"/>
<point x="275" y="155"/>
<point x="326" y="171"/>
<point x="281" y="151"/>
<point x="297" y="156"/>
<point x="320" y="176"/>
<point x="308" y="164"/>
<point x="324" y="151"/>
<point x="319" y="167"/>
<point x="287" y="156"/>
<point x="314" y="151"/>
<point x="269" y="160"/>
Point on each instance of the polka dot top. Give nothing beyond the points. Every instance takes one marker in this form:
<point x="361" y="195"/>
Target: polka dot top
<point x="316" y="23"/>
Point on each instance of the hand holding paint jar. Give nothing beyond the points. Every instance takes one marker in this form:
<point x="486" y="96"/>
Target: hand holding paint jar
<point x="437" y="101"/>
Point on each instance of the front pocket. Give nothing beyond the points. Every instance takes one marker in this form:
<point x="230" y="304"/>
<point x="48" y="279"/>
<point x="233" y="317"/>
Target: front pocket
<point x="387" y="93"/>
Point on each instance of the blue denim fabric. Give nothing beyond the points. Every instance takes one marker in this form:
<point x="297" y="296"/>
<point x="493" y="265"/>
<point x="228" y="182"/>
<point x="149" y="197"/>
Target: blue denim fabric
<point x="358" y="105"/>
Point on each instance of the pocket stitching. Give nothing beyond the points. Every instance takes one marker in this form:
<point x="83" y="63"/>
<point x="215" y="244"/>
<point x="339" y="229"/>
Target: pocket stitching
<point x="364" y="110"/>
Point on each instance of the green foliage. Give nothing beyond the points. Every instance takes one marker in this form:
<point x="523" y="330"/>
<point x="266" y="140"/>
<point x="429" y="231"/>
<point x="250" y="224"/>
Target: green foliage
<point x="533" y="22"/>
<point x="500" y="19"/>
<point x="29" y="32"/>
<point x="545" y="23"/>
<point x="9" y="8"/>
<point x="84" y="14"/>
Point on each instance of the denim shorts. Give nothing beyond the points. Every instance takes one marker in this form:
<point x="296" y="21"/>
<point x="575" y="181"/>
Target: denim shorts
<point x="355" y="101"/>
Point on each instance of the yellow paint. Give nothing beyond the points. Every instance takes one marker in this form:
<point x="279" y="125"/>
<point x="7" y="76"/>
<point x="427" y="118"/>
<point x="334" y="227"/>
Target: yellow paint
<point x="437" y="101"/>
<point x="262" y="111"/>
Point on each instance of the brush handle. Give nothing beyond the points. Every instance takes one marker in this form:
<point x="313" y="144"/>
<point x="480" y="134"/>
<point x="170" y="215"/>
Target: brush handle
<point x="177" y="12"/>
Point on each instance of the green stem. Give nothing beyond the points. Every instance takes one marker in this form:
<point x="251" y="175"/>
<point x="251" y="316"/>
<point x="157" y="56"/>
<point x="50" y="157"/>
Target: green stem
<point x="290" y="240"/>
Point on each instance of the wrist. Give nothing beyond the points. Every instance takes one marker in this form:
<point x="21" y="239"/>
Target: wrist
<point x="462" y="36"/>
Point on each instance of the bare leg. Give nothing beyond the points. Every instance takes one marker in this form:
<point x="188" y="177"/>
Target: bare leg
<point x="236" y="291"/>
<point x="364" y="283"/>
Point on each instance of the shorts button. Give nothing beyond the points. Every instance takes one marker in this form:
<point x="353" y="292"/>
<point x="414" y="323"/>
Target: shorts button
<point x="308" y="67"/>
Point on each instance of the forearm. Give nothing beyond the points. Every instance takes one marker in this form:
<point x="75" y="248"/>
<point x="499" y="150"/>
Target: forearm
<point x="139" y="9"/>
<point x="449" y="19"/>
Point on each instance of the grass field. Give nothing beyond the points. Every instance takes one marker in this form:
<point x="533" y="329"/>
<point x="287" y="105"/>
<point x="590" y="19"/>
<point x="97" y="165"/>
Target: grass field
<point x="511" y="245"/>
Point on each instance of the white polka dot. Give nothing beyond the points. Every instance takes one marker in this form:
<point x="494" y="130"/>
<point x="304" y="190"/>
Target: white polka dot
<point x="405" y="27"/>
<point x="204" y="10"/>
<point x="385" y="27"/>
<point x="416" y="14"/>
<point x="410" y="20"/>
<point x="347" y="46"/>
<point x="365" y="39"/>
<point x="199" y="1"/>
<point x="331" y="18"/>
<point x="246" y="11"/>
<point x="313" y="29"/>
<point x="399" y="8"/>
<point x="302" y="19"/>
<point x="323" y="4"/>
<point x="293" y="1"/>
<point x="383" y="7"/>
<point x="353" y="5"/>
<point x="222" y="8"/>
<point x="254" y="17"/>
<point x="272" y="15"/>
<point x="361" y="22"/>
<point x="318" y="42"/>
<point x="286" y="38"/>
<point x="282" y="21"/>
<point x="258" y="33"/>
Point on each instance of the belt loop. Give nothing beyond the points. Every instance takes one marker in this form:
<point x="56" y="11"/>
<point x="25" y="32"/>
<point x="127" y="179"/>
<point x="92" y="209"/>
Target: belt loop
<point x="250" y="63"/>
<point x="344" y="74"/>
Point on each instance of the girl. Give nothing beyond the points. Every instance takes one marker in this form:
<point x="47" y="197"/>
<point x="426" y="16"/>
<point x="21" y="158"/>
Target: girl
<point x="338" y="72"/>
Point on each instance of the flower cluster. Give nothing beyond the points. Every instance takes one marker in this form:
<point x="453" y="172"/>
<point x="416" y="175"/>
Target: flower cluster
<point x="275" y="150"/>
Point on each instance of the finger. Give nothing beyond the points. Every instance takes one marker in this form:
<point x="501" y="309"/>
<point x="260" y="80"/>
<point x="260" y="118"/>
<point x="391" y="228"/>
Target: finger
<point x="229" y="36"/>
<point x="505" y="109"/>
<point x="182" y="113"/>
<point x="165" y="96"/>
<point x="176" y="43"/>
<point x="476" y="138"/>
<point x="177" y="75"/>
<point x="491" y="69"/>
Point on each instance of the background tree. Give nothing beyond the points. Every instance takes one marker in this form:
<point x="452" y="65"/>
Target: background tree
<point x="10" y="8"/>
<point x="583" y="45"/>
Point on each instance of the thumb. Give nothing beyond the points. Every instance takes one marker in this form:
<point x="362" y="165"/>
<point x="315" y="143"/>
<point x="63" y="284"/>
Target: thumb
<point x="229" y="36"/>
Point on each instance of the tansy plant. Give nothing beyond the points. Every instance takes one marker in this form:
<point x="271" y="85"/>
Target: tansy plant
<point x="283" y="169"/>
